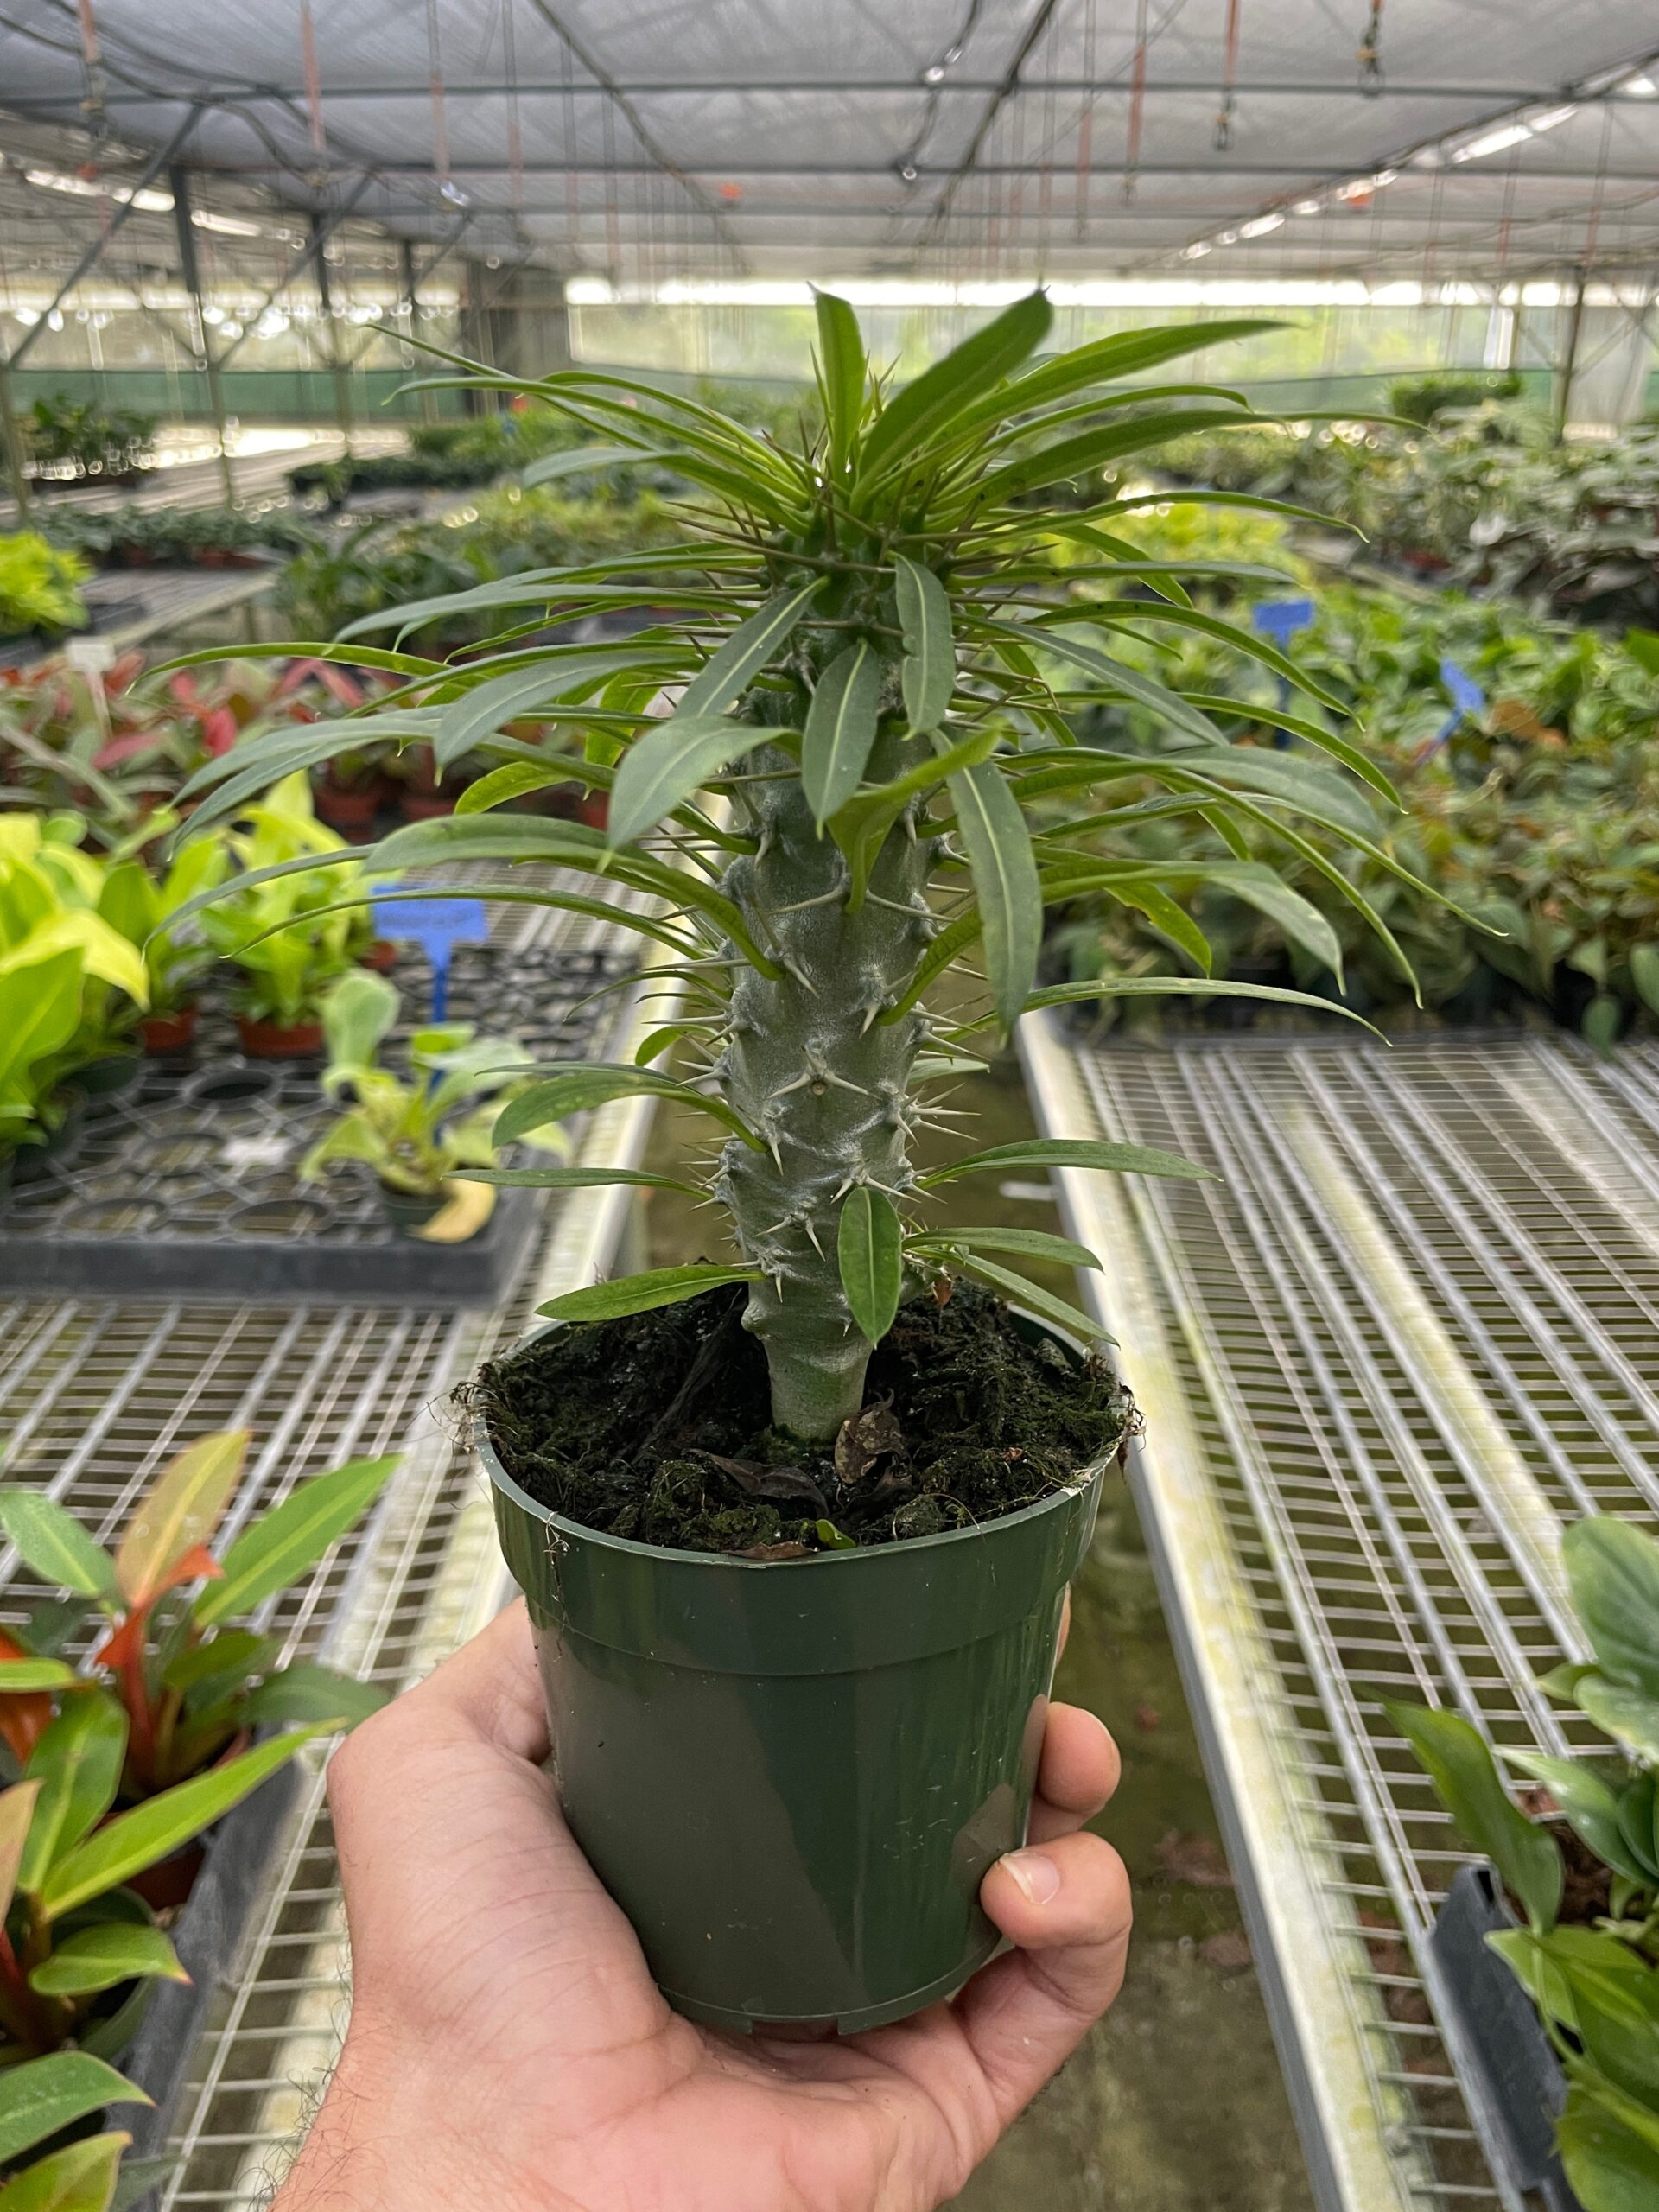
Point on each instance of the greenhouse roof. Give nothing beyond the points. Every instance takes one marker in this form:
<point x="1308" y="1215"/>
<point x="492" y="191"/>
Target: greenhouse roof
<point x="637" y="142"/>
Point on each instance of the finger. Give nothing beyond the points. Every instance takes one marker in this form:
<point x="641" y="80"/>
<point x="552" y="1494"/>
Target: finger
<point x="488" y="1689"/>
<point x="1067" y="1907"/>
<point x="1078" y="1773"/>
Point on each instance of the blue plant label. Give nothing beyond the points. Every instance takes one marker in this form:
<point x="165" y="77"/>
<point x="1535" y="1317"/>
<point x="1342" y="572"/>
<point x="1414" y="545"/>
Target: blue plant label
<point x="1281" y="618"/>
<point x="1467" y="699"/>
<point x="437" y="926"/>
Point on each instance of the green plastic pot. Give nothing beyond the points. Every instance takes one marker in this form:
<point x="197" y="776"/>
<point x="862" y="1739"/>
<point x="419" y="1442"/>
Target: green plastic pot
<point x="793" y="1776"/>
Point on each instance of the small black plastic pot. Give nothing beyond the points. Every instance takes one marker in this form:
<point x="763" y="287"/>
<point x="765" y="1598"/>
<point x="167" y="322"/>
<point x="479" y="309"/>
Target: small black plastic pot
<point x="1514" y="2083"/>
<point x="409" y="1210"/>
<point x="793" y="1776"/>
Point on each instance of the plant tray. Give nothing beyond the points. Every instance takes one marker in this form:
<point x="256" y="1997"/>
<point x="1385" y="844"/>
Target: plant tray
<point x="1518" y="2087"/>
<point x="186" y="1184"/>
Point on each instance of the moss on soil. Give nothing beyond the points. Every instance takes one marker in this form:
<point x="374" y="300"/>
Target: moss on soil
<point x="658" y="1427"/>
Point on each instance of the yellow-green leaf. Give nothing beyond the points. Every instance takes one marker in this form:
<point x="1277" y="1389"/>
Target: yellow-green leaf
<point x="640" y="1294"/>
<point x="45" y="2094"/>
<point x="81" y="2178"/>
<point x="930" y="669"/>
<point x="180" y="1510"/>
<point x="78" y="1764"/>
<point x="292" y="1537"/>
<point x="97" y="1958"/>
<point x="53" y="1543"/>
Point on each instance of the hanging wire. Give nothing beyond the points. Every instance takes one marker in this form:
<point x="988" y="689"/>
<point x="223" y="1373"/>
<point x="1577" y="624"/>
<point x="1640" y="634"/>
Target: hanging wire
<point x="447" y="184"/>
<point x="1370" y="52"/>
<point x="572" y="154"/>
<point x="313" y="96"/>
<point x="92" y="104"/>
<point x="1137" y="101"/>
<point x="1086" y="125"/>
<point x="907" y="167"/>
<point x="1228" y="82"/>
<point x="515" y="135"/>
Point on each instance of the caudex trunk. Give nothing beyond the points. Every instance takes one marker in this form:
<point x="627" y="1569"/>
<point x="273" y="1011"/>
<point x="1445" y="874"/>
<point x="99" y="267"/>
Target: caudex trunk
<point x="813" y="1068"/>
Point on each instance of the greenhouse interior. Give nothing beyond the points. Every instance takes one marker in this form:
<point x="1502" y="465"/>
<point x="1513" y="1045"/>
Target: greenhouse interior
<point x="935" y="732"/>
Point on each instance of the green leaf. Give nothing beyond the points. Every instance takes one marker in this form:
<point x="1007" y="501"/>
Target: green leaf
<point x="609" y="1301"/>
<point x="77" y="1763"/>
<point x="161" y="1825"/>
<point x="870" y="1255"/>
<point x="841" y="364"/>
<point x="45" y="2094"/>
<point x="728" y="672"/>
<point x="1630" y="1716"/>
<point x="919" y="412"/>
<point x="1030" y="1243"/>
<point x="1459" y="1762"/>
<point x="1058" y="1313"/>
<point x="99" y="1957"/>
<point x="1644" y="974"/>
<point x="578" y="1088"/>
<point x="578" y="461"/>
<point x="81" y="2178"/>
<point x="929" y="669"/>
<point x="1115" y="677"/>
<point x="1613" y="1569"/>
<point x="135" y="2180"/>
<point x="1006" y="885"/>
<point x="1066" y="1152"/>
<point x="1093" y="450"/>
<point x="513" y="779"/>
<point x="832" y="1538"/>
<point x="572" y="1178"/>
<point x="306" y="1692"/>
<point x="180" y="1511"/>
<point x="1589" y="1804"/>
<point x="1611" y="2167"/>
<point x="279" y="1547"/>
<point x="55" y="1545"/>
<point x="840" y="729"/>
<point x="17" y="1676"/>
<point x="1263" y="887"/>
<point x="1150" y="987"/>
<point x="670" y="761"/>
<point x="220" y="1661"/>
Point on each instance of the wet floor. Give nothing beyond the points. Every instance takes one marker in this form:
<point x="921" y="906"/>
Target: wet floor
<point x="1175" y="2103"/>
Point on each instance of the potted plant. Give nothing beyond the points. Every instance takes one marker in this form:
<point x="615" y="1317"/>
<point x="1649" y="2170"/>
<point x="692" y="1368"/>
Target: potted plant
<point x="286" y="933"/>
<point x="417" y="1134"/>
<point x="60" y="2097"/>
<point x="1570" y="1899"/>
<point x="40" y="587"/>
<point x="796" y="1522"/>
<point x="140" y="903"/>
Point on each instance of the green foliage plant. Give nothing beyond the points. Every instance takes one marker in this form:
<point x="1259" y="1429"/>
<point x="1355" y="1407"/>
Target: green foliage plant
<point x="1596" y="1986"/>
<point x="75" y="437"/>
<point x="871" y="672"/>
<point x="417" y="1133"/>
<point x="282" y="920"/>
<point x="40" y="585"/>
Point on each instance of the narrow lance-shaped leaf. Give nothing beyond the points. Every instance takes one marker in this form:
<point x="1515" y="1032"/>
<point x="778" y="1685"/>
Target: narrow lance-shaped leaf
<point x="841" y="358"/>
<point x="1058" y="1312"/>
<point x="1026" y="1243"/>
<point x="929" y="669"/>
<point x="78" y="1765"/>
<point x="99" y="1957"/>
<point x="577" y="1087"/>
<point x="44" y="2095"/>
<point x="840" y="729"/>
<point x="161" y="1825"/>
<point x="16" y="1810"/>
<point x="728" y="672"/>
<point x="53" y="1543"/>
<point x="20" y="1676"/>
<point x="178" y="1513"/>
<point x="640" y="1294"/>
<point x="80" y="2177"/>
<point x="306" y="1692"/>
<point x="870" y="1255"/>
<point x="573" y="1179"/>
<point x="1006" y="885"/>
<point x="1097" y="1153"/>
<point x="275" y="1550"/>
<point x="950" y="386"/>
<point x="673" y="760"/>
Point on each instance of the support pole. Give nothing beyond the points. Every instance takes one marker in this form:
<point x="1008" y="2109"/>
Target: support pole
<point x="336" y="360"/>
<point x="411" y="283"/>
<point x="11" y="434"/>
<point x="1570" y="359"/>
<point x="178" y="185"/>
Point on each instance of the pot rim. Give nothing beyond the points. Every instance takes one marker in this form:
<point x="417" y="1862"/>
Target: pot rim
<point x="578" y="1531"/>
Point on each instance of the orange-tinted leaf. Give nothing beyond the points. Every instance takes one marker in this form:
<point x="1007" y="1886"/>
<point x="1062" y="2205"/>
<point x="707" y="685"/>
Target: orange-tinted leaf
<point x="24" y="1715"/>
<point x="198" y="1564"/>
<point x="16" y="1811"/>
<point x="179" y="1513"/>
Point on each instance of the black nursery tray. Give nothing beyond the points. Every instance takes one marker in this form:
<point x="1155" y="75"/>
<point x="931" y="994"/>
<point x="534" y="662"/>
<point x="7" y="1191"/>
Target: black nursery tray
<point x="186" y="1184"/>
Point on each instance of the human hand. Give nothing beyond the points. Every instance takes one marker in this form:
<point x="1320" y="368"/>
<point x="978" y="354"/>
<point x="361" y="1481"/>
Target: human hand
<point x="509" y="2050"/>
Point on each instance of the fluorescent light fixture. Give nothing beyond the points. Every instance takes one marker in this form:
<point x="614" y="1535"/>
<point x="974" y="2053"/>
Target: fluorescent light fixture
<point x="1494" y="141"/>
<point x="228" y="226"/>
<point x="1259" y="226"/>
<point x="1197" y="251"/>
<point x="1307" y="207"/>
<point x="1641" y="88"/>
<point x="150" y="203"/>
<point x="1228" y="237"/>
<point x="1546" y="119"/>
<point x="934" y="73"/>
<point x="1383" y="177"/>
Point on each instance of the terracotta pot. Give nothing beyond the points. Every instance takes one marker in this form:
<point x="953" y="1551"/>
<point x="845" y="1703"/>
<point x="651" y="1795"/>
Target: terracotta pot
<point x="427" y="806"/>
<point x="382" y="957"/>
<point x="279" y="1041"/>
<point x="350" y="811"/>
<point x="169" y="1032"/>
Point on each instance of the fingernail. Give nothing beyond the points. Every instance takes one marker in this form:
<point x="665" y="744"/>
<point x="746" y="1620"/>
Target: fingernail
<point x="1036" y="1873"/>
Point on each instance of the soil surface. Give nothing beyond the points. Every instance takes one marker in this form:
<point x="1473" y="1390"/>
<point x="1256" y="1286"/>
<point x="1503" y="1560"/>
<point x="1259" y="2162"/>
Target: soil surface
<point x="658" y="1427"/>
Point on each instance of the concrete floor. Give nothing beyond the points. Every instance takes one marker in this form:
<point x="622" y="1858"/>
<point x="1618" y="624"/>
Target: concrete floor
<point x="1175" y="2103"/>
